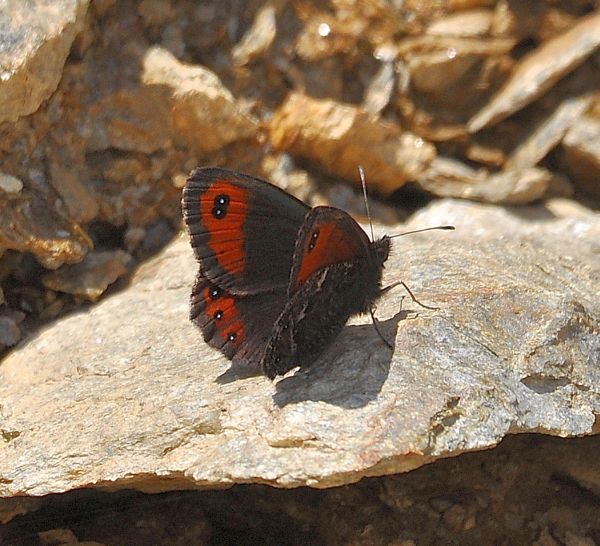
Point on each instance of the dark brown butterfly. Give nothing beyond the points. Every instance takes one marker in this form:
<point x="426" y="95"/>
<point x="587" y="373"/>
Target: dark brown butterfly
<point x="278" y="280"/>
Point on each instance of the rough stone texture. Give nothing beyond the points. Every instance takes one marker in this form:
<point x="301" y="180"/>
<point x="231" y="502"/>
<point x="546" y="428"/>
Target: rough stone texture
<point x="447" y="177"/>
<point x="204" y="113"/>
<point x="582" y="151"/>
<point x="540" y="70"/>
<point x="548" y="132"/>
<point x="128" y="394"/>
<point x="33" y="50"/>
<point x="525" y="489"/>
<point x="340" y="137"/>
<point x="91" y="277"/>
<point x="26" y="225"/>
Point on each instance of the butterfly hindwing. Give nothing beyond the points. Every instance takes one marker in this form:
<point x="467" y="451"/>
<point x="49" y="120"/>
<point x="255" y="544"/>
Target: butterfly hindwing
<point x="313" y="316"/>
<point x="243" y="229"/>
<point x="239" y="326"/>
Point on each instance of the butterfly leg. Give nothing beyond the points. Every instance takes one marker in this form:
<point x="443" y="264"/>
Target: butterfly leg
<point x="376" y="326"/>
<point x="412" y="296"/>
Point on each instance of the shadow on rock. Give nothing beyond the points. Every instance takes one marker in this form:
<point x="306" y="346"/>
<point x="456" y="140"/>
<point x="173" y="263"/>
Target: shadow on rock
<point x="237" y="372"/>
<point x="349" y="374"/>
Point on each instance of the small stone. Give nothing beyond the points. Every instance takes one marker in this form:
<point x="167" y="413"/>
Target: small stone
<point x="155" y="12"/>
<point x="546" y="539"/>
<point x="10" y="184"/>
<point x="455" y="517"/>
<point x="447" y="177"/>
<point x="31" y="224"/>
<point x="133" y="237"/>
<point x="58" y="536"/>
<point x="474" y="22"/>
<point x="10" y="333"/>
<point x="36" y="39"/>
<point x="572" y="539"/>
<point x="548" y="133"/>
<point x="582" y="151"/>
<point x="258" y="38"/>
<point x="90" y="278"/>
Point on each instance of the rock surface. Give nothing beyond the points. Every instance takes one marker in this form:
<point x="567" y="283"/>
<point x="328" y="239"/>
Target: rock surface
<point x="540" y="70"/>
<point x="582" y="152"/>
<point x="340" y="137"/>
<point x="126" y="395"/>
<point x="542" y="487"/>
<point x="33" y="50"/>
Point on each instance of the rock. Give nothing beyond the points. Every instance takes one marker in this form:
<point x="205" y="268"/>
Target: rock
<point x="133" y="398"/>
<point x="130" y="120"/>
<point x="340" y="137"/>
<point x="10" y="184"/>
<point x="379" y="91"/>
<point x="450" y="178"/>
<point x="155" y="12"/>
<point x="548" y="133"/>
<point x="27" y="224"/>
<point x="258" y="38"/>
<point x="90" y="278"/>
<point x="531" y="491"/>
<point x="582" y="151"/>
<point x="79" y="201"/>
<point x="571" y="539"/>
<point x="540" y="70"/>
<point x="474" y="22"/>
<point x="204" y="113"/>
<point x="338" y="31"/>
<point x="10" y="333"/>
<point x="437" y="63"/>
<point x="35" y="41"/>
<point x="537" y="22"/>
<point x="58" y="536"/>
<point x="16" y="506"/>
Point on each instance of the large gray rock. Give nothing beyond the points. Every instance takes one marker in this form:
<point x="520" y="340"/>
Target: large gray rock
<point x="126" y="394"/>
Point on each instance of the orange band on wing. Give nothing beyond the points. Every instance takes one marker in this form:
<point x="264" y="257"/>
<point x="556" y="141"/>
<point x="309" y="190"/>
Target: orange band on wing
<point x="223" y="208"/>
<point x="333" y="246"/>
<point x="226" y="316"/>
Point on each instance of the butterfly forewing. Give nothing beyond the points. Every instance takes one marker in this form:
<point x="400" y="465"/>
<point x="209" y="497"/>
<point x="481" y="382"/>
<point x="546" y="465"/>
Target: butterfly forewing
<point x="243" y="229"/>
<point x="328" y="236"/>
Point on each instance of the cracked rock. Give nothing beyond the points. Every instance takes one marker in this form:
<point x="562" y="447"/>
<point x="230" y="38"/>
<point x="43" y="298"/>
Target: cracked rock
<point x="131" y="399"/>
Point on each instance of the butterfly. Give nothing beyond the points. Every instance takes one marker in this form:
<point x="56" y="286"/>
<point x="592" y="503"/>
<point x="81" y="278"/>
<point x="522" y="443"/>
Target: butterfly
<point x="277" y="280"/>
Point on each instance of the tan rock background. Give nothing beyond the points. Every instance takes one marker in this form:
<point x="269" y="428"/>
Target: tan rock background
<point x="493" y="106"/>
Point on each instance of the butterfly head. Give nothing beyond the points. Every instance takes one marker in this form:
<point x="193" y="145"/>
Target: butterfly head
<point x="381" y="249"/>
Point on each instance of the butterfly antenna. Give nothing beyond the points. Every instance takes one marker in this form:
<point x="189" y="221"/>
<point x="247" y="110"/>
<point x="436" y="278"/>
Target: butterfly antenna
<point x="421" y="230"/>
<point x="363" y="183"/>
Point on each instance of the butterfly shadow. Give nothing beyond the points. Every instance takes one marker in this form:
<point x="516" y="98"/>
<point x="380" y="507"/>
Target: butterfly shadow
<point x="350" y="373"/>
